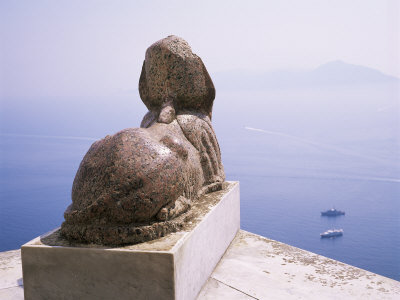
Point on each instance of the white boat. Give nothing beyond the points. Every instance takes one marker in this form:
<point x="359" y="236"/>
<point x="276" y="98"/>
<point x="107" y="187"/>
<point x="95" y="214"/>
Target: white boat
<point x="333" y="212"/>
<point x="332" y="233"/>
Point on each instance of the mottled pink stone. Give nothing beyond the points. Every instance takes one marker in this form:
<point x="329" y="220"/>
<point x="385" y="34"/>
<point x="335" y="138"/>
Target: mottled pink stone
<point x="131" y="186"/>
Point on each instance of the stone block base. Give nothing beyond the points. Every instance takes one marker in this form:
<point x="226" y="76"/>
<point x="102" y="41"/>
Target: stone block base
<point x="173" y="267"/>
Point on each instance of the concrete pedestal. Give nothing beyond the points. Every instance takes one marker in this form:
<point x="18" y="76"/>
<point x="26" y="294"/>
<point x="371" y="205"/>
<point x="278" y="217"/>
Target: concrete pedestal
<point x="173" y="267"/>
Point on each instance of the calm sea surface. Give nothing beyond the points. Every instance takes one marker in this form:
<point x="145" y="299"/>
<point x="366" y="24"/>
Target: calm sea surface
<point x="295" y="152"/>
<point x="277" y="201"/>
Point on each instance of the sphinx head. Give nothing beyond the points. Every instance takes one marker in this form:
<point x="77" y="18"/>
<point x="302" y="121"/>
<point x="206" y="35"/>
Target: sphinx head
<point x="172" y="73"/>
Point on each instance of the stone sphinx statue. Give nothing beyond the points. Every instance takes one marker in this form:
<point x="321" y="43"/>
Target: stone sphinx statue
<point x="130" y="186"/>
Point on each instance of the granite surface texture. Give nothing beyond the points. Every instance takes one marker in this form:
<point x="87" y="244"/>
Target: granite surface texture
<point x="131" y="184"/>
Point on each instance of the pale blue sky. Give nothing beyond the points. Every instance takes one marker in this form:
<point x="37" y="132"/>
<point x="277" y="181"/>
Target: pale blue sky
<point x="80" y="48"/>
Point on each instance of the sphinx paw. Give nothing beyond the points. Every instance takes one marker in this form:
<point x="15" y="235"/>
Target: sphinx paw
<point x="174" y="209"/>
<point x="162" y="215"/>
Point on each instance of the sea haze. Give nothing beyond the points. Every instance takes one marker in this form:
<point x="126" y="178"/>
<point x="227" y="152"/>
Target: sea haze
<point x="297" y="149"/>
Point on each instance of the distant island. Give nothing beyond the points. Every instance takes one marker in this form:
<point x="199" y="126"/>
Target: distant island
<point x="333" y="73"/>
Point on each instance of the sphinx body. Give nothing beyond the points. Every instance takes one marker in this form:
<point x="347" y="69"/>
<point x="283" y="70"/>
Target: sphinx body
<point x="131" y="185"/>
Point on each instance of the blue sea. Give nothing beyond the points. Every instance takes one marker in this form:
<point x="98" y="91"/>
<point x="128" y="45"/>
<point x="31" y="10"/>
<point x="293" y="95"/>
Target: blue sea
<point x="288" y="174"/>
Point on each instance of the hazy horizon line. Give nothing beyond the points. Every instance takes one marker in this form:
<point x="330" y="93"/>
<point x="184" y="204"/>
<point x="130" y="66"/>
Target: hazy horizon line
<point x="301" y="70"/>
<point x="61" y="137"/>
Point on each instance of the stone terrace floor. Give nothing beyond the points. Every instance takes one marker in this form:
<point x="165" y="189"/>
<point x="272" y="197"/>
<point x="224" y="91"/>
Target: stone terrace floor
<point x="255" y="267"/>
